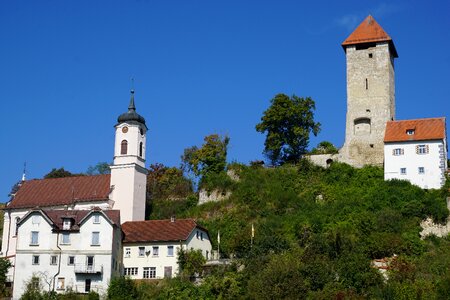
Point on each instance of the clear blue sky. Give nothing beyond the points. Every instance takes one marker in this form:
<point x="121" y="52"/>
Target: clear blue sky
<point x="200" y="67"/>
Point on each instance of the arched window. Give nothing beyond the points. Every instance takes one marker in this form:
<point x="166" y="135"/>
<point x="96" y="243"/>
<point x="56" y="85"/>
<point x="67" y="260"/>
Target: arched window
<point x="124" y="147"/>
<point x="140" y="149"/>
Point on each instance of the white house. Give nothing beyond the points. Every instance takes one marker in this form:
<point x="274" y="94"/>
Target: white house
<point x="150" y="247"/>
<point x="416" y="150"/>
<point x="68" y="249"/>
<point x="124" y="189"/>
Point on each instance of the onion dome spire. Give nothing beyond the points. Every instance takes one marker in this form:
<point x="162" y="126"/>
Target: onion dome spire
<point x="131" y="116"/>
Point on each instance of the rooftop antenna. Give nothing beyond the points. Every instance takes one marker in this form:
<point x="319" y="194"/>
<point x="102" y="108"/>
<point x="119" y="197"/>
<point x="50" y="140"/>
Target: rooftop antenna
<point x="24" y="171"/>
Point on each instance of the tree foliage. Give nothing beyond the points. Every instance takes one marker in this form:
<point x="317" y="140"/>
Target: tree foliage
<point x="167" y="183"/>
<point x="288" y="123"/>
<point x="98" y="169"/>
<point x="209" y="159"/>
<point x="324" y="147"/>
<point x="59" y="173"/>
<point x="190" y="262"/>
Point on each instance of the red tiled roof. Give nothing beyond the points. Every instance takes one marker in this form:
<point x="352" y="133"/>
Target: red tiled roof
<point x="158" y="230"/>
<point x="61" y="191"/>
<point x="424" y="129"/>
<point x="369" y="31"/>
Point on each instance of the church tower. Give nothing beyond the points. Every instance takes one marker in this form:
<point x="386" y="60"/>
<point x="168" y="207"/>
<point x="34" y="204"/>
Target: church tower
<point x="370" y="54"/>
<point x="128" y="173"/>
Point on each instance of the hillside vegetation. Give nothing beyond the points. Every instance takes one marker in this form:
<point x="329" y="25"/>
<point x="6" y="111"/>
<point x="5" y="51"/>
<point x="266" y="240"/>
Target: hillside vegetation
<point x="316" y="233"/>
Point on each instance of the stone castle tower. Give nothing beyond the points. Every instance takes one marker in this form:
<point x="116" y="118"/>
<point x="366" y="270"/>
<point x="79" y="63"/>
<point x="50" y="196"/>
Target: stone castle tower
<point x="370" y="54"/>
<point x="128" y="172"/>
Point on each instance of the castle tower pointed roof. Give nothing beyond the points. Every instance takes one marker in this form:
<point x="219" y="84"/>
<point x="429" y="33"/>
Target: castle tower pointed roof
<point x="369" y="31"/>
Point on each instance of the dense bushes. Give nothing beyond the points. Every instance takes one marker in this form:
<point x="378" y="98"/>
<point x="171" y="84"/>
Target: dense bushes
<point x="316" y="232"/>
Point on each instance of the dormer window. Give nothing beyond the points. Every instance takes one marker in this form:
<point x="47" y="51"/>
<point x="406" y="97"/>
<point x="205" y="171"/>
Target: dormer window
<point x="410" y="131"/>
<point x="66" y="224"/>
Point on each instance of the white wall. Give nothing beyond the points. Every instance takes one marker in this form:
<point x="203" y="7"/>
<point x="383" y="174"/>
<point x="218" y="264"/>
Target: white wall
<point x="163" y="260"/>
<point x="431" y="162"/>
<point x="107" y="255"/>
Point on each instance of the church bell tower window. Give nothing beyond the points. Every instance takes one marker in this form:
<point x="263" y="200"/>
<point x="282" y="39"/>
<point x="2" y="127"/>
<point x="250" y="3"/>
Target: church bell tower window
<point x="140" y="149"/>
<point x="124" y="147"/>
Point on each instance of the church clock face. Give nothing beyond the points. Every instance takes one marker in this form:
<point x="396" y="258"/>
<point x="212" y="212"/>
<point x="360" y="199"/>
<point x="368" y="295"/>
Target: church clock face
<point x="125" y="129"/>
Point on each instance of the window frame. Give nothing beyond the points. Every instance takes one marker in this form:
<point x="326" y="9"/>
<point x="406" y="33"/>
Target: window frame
<point x="68" y="260"/>
<point x="97" y="234"/>
<point x="155" y="251"/>
<point x="127" y="252"/>
<point x="124" y="147"/>
<point x="141" y="251"/>
<point x="96" y="219"/>
<point x="170" y="251"/>
<point x="33" y="242"/>
<point x="53" y="260"/>
<point x="421" y="170"/>
<point x="402" y="171"/>
<point x="64" y="236"/>
<point x="35" y="260"/>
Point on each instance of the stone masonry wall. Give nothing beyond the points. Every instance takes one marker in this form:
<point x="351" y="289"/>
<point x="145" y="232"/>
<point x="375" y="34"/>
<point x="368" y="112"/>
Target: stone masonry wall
<point x="370" y="104"/>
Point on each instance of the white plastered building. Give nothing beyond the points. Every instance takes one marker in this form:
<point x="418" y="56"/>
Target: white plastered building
<point x="416" y="150"/>
<point x="77" y="250"/>
<point x="150" y="248"/>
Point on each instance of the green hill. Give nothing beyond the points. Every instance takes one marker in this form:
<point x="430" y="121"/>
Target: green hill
<point x="317" y="231"/>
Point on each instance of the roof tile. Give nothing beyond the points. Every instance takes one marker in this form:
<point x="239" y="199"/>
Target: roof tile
<point x="158" y="230"/>
<point x="424" y="129"/>
<point x="61" y="191"/>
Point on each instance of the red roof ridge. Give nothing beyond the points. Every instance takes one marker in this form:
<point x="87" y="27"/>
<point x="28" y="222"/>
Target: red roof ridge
<point x="419" y="119"/>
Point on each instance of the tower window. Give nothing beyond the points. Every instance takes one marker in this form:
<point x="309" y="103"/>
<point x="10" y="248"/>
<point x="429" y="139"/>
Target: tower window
<point x="140" y="149"/>
<point x="362" y="126"/>
<point x="370" y="55"/>
<point x="124" y="147"/>
<point x="367" y="84"/>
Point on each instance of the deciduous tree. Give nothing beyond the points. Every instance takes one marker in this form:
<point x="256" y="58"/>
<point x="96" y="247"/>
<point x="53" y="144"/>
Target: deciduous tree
<point x="288" y="123"/>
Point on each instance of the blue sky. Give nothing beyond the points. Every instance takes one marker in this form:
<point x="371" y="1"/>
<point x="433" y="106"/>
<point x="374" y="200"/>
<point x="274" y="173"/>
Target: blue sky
<point x="200" y="67"/>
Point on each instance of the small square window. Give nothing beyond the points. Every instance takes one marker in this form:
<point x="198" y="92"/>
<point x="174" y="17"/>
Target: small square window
<point x="53" y="260"/>
<point x="398" y="151"/>
<point x="422" y="149"/>
<point x="35" y="259"/>
<point x="370" y="55"/>
<point x="36" y="219"/>
<point x="141" y="251"/>
<point x="71" y="261"/>
<point x="403" y="171"/>
<point x="96" y="219"/>
<point x="66" y="224"/>
<point x="421" y="170"/>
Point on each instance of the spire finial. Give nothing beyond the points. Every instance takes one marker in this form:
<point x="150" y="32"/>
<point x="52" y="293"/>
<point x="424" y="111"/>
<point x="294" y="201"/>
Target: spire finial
<point x="132" y="106"/>
<point x="24" y="171"/>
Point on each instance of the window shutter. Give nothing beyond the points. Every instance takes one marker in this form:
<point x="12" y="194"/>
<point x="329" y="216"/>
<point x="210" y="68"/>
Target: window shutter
<point x="403" y="151"/>
<point x="427" y="149"/>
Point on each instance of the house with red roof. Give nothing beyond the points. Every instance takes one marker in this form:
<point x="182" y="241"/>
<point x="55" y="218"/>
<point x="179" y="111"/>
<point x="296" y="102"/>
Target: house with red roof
<point x="416" y="150"/>
<point x="150" y="248"/>
<point x="61" y="250"/>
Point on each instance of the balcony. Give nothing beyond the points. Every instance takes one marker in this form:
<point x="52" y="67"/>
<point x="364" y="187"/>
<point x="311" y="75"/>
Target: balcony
<point x="88" y="269"/>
